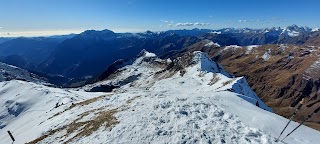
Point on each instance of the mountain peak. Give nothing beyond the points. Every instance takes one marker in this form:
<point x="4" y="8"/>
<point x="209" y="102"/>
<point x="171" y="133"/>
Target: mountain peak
<point x="105" y="32"/>
<point x="293" y="26"/>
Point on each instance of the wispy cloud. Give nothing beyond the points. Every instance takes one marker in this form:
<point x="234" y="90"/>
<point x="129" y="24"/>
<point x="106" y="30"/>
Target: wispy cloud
<point x="279" y="19"/>
<point x="1" y="27"/>
<point x="188" y="24"/>
<point x="242" y="21"/>
<point x="268" y="20"/>
<point x="256" y="20"/>
<point x="167" y="21"/>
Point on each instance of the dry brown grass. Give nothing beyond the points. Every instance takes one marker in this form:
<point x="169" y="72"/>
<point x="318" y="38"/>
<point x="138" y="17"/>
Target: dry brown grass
<point x="228" y="82"/>
<point x="132" y="99"/>
<point x="46" y="135"/>
<point x="84" y="128"/>
<point x="86" y="102"/>
<point x="214" y="79"/>
<point x="103" y="118"/>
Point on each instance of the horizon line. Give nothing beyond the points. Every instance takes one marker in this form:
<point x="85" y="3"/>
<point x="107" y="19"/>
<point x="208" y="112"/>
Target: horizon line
<point x="49" y="33"/>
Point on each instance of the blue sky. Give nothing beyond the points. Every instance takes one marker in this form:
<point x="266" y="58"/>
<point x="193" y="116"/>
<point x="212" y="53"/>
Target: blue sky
<point x="48" y="17"/>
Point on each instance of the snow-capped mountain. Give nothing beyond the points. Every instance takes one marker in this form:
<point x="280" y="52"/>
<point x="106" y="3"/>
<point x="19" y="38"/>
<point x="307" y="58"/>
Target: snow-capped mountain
<point x="275" y="35"/>
<point x="291" y="31"/>
<point x="9" y="72"/>
<point x="190" y="99"/>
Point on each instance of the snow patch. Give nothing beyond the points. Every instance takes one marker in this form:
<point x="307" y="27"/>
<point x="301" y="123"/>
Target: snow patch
<point x="313" y="69"/>
<point x="266" y="56"/>
<point x="283" y="47"/>
<point x="293" y="33"/>
<point x="232" y="47"/>
<point x="250" y="48"/>
<point x="148" y="54"/>
<point x="315" y="30"/>
<point x="211" y="43"/>
<point x="290" y="33"/>
<point x="216" y="32"/>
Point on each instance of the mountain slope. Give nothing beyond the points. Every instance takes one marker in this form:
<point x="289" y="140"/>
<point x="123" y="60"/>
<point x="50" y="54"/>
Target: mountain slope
<point x="9" y="72"/>
<point x="90" y="52"/>
<point x="25" y="105"/>
<point x="27" y="53"/>
<point x="186" y="100"/>
<point x="280" y="74"/>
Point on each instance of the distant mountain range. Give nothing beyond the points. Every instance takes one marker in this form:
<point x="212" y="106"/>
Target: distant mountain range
<point x="86" y="55"/>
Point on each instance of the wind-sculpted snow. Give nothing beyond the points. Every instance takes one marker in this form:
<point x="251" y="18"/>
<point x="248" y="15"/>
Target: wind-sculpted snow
<point x="186" y="100"/>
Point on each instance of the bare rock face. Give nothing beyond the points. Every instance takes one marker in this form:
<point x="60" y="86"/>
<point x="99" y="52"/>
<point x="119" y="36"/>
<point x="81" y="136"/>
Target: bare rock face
<point x="281" y="75"/>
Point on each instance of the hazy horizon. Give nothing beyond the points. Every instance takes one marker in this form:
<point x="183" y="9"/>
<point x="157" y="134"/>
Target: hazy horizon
<point x="45" y="18"/>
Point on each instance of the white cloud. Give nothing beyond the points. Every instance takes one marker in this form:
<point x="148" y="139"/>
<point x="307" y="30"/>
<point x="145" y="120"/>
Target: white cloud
<point x="256" y="20"/>
<point x="170" y="25"/>
<point x="184" y="24"/>
<point x="188" y="24"/>
<point x="269" y="20"/>
<point x="1" y="27"/>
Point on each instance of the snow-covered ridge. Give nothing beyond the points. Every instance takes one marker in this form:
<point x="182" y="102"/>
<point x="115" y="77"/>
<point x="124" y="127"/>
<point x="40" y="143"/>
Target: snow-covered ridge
<point x="190" y="99"/>
<point x="25" y="105"/>
<point x="144" y="70"/>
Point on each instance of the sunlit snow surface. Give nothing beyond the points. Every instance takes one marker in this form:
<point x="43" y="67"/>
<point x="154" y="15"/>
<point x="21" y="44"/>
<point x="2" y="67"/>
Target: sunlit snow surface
<point x="211" y="43"/>
<point x="158" y="109"/>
